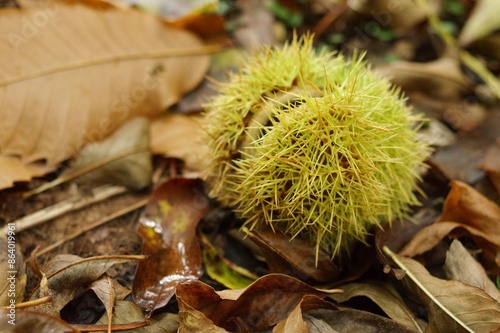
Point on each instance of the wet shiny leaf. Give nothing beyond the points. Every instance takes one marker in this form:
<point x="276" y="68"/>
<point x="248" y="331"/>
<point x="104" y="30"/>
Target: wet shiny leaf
<point x="168" y="229"/>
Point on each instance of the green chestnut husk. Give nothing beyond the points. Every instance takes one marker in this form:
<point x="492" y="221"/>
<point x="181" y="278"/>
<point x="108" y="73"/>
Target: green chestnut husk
<point x="312" y="144"/>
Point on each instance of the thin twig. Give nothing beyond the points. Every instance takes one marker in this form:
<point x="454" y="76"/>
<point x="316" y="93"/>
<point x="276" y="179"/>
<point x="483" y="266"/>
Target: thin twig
<point x="28" y="304"/>
<point x="96" y="224"/>
<point x="63" y="207"/>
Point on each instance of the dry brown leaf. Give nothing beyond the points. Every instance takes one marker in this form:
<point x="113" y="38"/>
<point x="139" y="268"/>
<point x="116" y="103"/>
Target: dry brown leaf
<point x="385" y="296"/>
<point x="464" y="209"/>
<point x="71" y="81"/>
<point x="13" y="170"/>
<point x="460" y="160"/>
<point x="134" y="169"/>
<point x="295" y="323"/>
<point x="351" y="320"/>
<point x="68" y="276"/>
<point x="178" y="135"/>
<point x="461" y="266"/>
<point x="452" y="305"/>
<point x="296" y="257"/>
<point x="442" y="78"/>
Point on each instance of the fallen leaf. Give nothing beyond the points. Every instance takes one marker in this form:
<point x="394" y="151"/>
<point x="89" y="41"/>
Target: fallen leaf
<point x="465" y="205"/>
<point x="104" y="290"/>
<point x="168" y="229"/>
<point x="295" y="257"/>
<point x="351" y="320"/>
<point x="464" y="209"/>
<point x="30" y="321"/>
<point x="295" y="322"/>
<point x="385" y="296"/>
<point x="263" y="304"/>
<point x="110" y="65"/>
<point x="126" y="312"/>
<point x="179" y="136"/>
<point x="491" y="164"/>
<point x="452" y="305"/>
<point x="133" y="170"/>
<point x="461" y="266"/>
<point x="68" y="276"/>
<point x="441" y="78"/>
<point x="481" y="22"/>
<point x="13" y="170"/>
<point x="222" y="270"/>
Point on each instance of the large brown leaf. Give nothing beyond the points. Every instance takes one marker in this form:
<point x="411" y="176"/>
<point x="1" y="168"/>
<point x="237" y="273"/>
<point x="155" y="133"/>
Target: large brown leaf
<point x="452" y="305"/>
<point x="74" y="71"/>
<point x="168" y="229"/>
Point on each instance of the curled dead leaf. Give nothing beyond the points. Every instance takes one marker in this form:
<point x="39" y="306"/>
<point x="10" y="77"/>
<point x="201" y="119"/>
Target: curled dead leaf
<point x="295" y="257"/>
<point x="465" y="209"/>
<point x="263" y="304"/>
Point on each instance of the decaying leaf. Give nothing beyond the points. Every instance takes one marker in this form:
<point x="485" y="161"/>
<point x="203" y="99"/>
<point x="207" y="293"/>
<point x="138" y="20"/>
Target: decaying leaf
<point x="460" y="161"/>
<point x="464" y="209"/>
<point x="178" y="135"/>
<point x="442" y="78"/>
<point x="351" y="320"/>
<point x="295" y="257"/>
<point x="261" y="305"/>
<point x="461" y="266"/>
<point x="385" y="296"/>
<point x="168" y="229"/>
<point x="133" y="170"/>
<point x="30" y="321"/>
<point x="482" y="21"/>
<point x="68" y="276"/>
<point x="72" y="81"/>
<point x="452" y="305"/>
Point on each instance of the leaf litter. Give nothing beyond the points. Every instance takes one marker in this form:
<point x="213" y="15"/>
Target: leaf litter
<point x="412" y="298"/>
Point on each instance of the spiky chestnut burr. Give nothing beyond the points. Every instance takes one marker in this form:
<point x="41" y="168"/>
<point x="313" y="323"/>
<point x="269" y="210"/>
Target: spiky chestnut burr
<point x="311" y="143"/>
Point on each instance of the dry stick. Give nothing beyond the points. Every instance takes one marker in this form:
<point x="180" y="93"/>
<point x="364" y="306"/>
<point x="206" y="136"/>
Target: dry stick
<point x="60" y="208"/>
<point x="97" y="223"/>
<point x="34" y="302"/>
